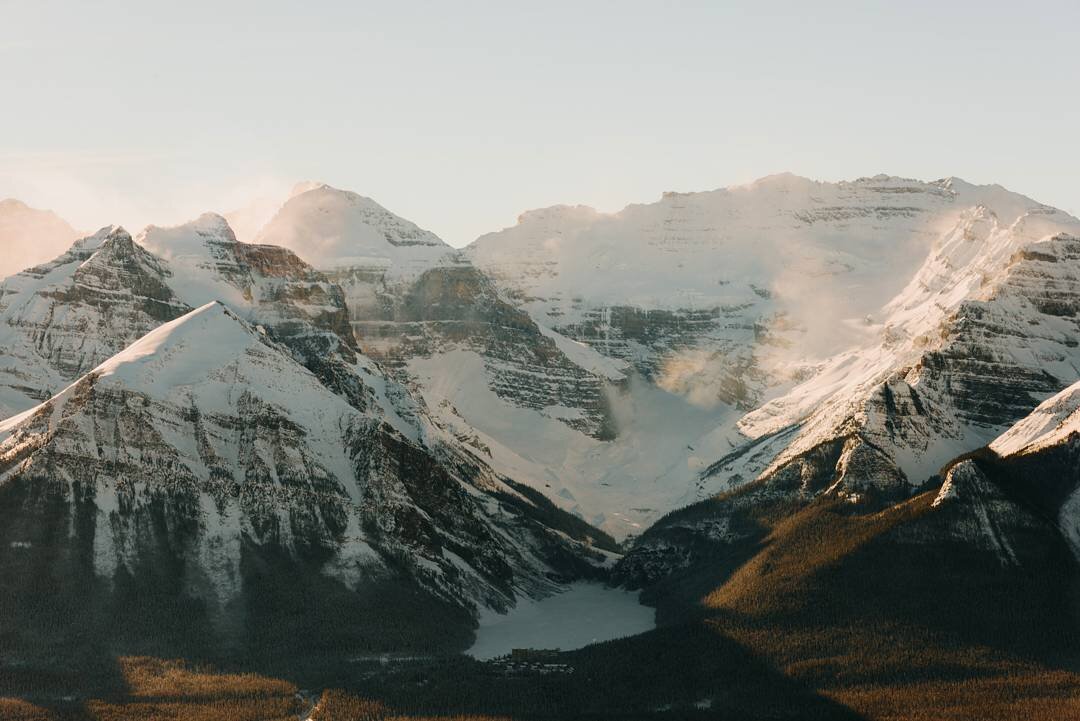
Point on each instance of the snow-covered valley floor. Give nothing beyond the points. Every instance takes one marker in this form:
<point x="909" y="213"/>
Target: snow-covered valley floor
<point x="585" y="613"/>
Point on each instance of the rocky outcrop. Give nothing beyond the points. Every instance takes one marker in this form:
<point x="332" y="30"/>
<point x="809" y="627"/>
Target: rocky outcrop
<point x="458" y="308"/>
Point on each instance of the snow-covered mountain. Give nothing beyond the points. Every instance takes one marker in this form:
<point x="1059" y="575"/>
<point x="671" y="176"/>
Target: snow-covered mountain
<point x="409" y="294"/>
<point x="623" y="364"/>
<point x="830" y="409"/>
<point x="1003" y="516"/>
<point x="207" y="411"/>
<point x="608" y="360"/>
<point x="730" y="299"/>
<point x="29" y="236"/>
<point x="483" y="366"/>
<point x="984" y="331"/>
<point x="688" y="286"/>
<point x="60" y="319"/>
<point x="183" y="369"/>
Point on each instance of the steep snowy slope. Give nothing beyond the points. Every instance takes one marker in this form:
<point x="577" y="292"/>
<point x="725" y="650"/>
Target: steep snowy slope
<point x="206" y="262"/>
<point x="29" y="236"/>
<point x="985" y="330"/>
<point x="1053" y="422"/>
<point x="205" y="442"/>
<point x="1043" y="451"/>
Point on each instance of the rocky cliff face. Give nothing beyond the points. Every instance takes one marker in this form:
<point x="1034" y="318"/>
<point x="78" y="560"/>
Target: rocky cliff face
<point x="249" y="431"/>
<point x="458" y="309"/>
<point x="701" y="291"/>
<point x="60" y="319"/>
<point x="205" y="446"/>
<point x="954" y="367"/>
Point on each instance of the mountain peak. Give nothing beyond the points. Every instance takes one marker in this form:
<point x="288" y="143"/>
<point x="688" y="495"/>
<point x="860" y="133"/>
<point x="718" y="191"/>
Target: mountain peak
<point x="117" y="240"/>
<point x="325" y="194"/>
<point x="304" y="186"/>
<point x="212" y="223"/>
<point x="332" y="228"/>
<point x="784" y="180"/>
<point x="101" y="237"/>
<point x="187" y="239"/>
<point x="13" y="204"/>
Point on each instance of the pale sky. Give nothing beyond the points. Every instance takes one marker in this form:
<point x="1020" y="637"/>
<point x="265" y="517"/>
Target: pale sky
<point x="460" y="115"/>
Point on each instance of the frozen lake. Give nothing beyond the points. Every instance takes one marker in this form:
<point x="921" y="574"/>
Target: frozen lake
<point x="585" y="613"/>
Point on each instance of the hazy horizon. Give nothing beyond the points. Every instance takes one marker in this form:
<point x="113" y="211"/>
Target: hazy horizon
<point x="461" y="120"/>
<point x="254" y="202"/>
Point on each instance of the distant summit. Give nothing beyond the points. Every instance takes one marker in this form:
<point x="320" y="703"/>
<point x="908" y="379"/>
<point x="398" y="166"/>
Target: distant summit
<point x="332" y="228"/>
<point x="29" y="236"/>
